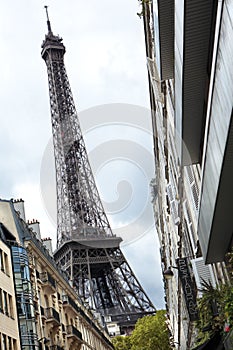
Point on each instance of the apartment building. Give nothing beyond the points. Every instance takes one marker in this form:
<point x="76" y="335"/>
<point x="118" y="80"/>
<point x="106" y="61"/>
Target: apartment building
<point x="189" y="50"/>
<point x="9" y="331"/>
<point x="50" y="313"/>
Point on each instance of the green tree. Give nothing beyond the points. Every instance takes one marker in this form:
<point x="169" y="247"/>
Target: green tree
<point x="151" y="333"/>
<point x="122" y="342"/>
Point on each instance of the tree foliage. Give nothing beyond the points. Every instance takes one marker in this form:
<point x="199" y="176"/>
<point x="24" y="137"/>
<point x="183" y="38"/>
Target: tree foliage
<point x="122" y="343"/>
<point x="215" y="307"/>
<point x="150" y="333"/>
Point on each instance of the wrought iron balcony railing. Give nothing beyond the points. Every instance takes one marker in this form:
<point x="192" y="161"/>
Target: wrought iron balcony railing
<point x="42" y="311"/>
<point x="63" y="328"/>
<point x="72" y="331"/>
<point x="51" y="313"/>
<point x="68" y="301"/>
<point x="47" y="278"/>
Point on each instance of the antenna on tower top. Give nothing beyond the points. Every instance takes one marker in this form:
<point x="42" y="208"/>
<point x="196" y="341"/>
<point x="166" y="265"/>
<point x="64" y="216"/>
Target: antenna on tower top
<point x="48" y="21"/>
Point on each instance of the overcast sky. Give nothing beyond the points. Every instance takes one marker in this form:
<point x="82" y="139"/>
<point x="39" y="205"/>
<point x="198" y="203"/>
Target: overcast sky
<point x="106" y="63"/>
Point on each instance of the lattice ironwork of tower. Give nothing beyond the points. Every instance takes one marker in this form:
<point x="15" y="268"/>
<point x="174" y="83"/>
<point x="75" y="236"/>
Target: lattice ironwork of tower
<point x="86" y="246"/>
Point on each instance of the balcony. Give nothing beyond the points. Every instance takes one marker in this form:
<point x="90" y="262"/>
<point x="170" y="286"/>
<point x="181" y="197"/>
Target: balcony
<point x="52" y="317"/>
<point x="63" y="328"/>
<point x="56" y="347"/>
<point x="74" y="334"/>
<point x="49" y="283"/>
<point x="42" y="312"/>
<point x="69" y="304"/>
<point x="36" y="308"/>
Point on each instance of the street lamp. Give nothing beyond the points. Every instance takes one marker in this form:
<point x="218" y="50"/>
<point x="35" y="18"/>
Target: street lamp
<point x="168" y="273"/>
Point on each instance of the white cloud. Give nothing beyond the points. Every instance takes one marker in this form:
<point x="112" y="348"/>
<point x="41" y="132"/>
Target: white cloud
<point x="145" y="251"/>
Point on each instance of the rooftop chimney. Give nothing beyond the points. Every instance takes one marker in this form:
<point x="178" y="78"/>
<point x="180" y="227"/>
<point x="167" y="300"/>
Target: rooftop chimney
<point x="35" y="226"/>
<point x="47" y="242"/>
<point x="19" y="207"/>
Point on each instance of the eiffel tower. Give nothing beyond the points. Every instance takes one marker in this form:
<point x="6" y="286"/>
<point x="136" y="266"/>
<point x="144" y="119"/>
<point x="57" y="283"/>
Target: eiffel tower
<point x="86" y="247"/>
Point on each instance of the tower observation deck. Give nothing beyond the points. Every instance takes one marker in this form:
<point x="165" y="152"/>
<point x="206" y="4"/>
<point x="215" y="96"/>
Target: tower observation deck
<point x="87" y="249"/>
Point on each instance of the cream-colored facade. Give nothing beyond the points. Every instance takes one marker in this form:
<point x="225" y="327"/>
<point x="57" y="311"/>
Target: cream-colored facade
<point x="9" y="331"/>
<point x="178" y="100"/>
<point x="62" y="322"/>
<point x="51" y="315"/>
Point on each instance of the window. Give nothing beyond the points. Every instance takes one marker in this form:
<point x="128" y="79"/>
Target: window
<point x="7" y="343"/>
<point x="5" y="299"/>
<point x="24" y="272"/>
<point x="20" y="305"/>
<point x="1" y="261"/>
<point x="10" y="343"/>
<point x="4" y="342"/>
<point x="6" y="303"/>
<point x="1" y="302"/>
<point x="11" y="306"/>
<point x="6" y="262"/>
